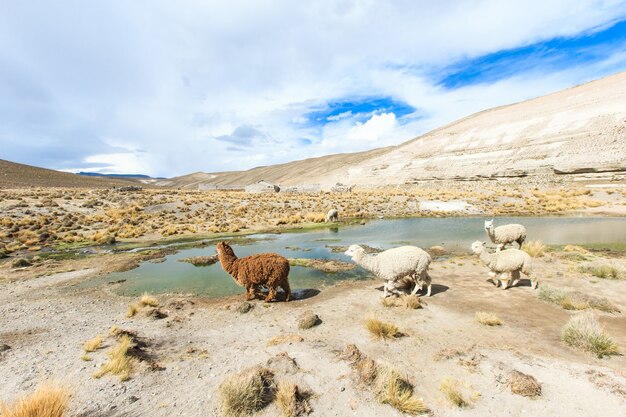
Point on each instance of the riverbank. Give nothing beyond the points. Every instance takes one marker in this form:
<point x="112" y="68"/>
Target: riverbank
<point x="36" y="220"/>
<point x="195" y="343"/>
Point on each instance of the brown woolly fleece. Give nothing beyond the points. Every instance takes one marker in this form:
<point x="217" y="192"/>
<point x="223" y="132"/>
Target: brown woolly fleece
<point x="269" y="269"/>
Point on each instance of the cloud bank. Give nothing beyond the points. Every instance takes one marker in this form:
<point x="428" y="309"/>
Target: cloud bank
<point x="168" y="88"/>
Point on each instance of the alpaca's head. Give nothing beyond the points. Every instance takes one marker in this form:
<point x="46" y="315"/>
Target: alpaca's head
<point x="488" y="224"/>
<point x="224" y="248"/>
<point x="477" y="247"/>
<point x="353" y="250"/>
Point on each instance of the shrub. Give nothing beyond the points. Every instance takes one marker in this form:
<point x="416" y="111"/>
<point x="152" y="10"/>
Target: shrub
<point x="583" y="332"/>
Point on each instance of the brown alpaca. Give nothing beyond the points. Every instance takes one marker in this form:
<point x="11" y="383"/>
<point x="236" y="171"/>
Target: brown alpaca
<point x="269" y="269"/>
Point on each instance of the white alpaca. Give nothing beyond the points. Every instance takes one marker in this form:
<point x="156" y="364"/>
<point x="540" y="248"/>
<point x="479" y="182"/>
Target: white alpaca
<point x="395" y="264"/>
<point x="332" y="216"/>
<point x="507" y="263"/>
<point x="505" y="234"/>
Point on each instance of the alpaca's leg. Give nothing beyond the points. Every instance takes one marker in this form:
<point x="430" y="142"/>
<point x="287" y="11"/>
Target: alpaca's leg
<point x="418" y="286"/>
<point x="506" y="280"/>
<point x="534" y="283"/>
<point x="386" y="289"/>
<point x="492" y="277"/>
<point x="271" y="294"/>
<point x="430" y="287"/>
<point x="287" y="289"/>
<point x="250" y="293"/>
<point x="515" y="277"/>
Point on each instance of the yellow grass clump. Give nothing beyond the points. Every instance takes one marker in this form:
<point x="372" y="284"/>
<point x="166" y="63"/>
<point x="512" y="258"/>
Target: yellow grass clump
<point x="451" y="388"/>
<point x="382" y="330"/>
<point x="292" y="401"/>
<point x="120" y="362"/>
<point x="241" y="395"/>
<point x="535" y="248"/>
<point x="523" y="384"/>
<point x="48" y="400"/>
<point x="287" y="338"/>
<point x="583" y="332"/>
<point x="93" y="344"/>
<point x="148" y="300"/>
<point x="488" y="319"/>
<point x="387" y="384"/>
<point x="390" y="387"/>
<point x="132" y="310"/>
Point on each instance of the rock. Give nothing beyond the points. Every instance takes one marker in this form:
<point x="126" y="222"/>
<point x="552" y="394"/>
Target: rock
<point x="308" y="320"/>
<point x="244" y="307"/>
<point x="4" y="347"/>
<point x="283" y="364"/>
<point x="21" y="263"/>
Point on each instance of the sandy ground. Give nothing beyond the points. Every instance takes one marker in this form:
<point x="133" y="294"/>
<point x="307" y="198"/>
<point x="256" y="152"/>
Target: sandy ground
<point x="46" y="320"/>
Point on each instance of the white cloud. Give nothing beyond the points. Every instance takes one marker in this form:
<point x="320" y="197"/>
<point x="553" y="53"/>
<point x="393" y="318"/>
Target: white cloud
<point x="375" y="129"/>
<point x="169" y="78"/>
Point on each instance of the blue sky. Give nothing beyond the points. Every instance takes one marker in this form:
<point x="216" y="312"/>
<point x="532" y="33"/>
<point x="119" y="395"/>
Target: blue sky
<point x="167" y="88"/>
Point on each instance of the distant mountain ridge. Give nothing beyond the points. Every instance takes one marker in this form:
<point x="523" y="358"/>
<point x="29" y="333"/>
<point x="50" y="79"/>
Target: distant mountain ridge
<point x="140" y="176"/>
<point x="15" y="175"/>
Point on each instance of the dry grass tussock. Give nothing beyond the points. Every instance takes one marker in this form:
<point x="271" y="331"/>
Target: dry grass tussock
<point x="535" y="248"/>
<point x="132" y="310"/>
<point x="523" y="384"/>
<point x="583" y="332"/>
<point x="488" y="319"/>
<point x="456" y="392"/>
<point x="241" y="395"/>
<point x="286" y="338"/>
<point x="381" y="330"/>
<point x="292" y="400"/>
<point x="49" y="400"/>
<point x="387" y="384"/>
<point x="93" y="344"/>
<point x="604" y="271"/>
<point x="412" y="302"/>
<point x="148" y="300"/>
<point x="574" y="300"/>
<point x="120" y="361"/>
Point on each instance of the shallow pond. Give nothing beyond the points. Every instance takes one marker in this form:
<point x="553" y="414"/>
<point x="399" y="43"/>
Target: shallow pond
<point x="454" y="233"/>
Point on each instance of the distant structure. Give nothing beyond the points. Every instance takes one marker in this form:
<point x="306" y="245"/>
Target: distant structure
<point x="262" y="186"/>
<point x="302" y="189"/>
<point x="341" y="188"/>
<point x="210" y="187"/>
<point x="128" y="188"/>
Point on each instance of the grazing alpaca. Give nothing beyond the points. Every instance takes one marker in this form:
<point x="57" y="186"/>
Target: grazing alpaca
<point x="506" y="234"/>
<point x="332" y="216"/>
<point x="251" y="272"/>
<point x="395" y="264"/>
<point x="507" y="263"/>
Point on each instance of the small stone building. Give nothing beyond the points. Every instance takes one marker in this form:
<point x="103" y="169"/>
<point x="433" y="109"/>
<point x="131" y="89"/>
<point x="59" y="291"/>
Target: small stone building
<point x="262" y="187"/>
<point x="341" y="188"/>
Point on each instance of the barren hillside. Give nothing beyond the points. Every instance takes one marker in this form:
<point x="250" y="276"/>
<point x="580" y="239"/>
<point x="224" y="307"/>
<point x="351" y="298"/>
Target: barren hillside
<point x="14" y="175"/>
<point x="581" y="129"/>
